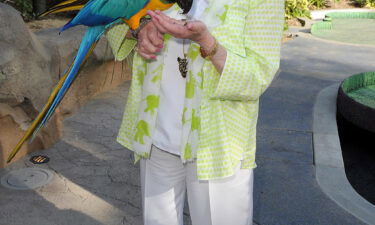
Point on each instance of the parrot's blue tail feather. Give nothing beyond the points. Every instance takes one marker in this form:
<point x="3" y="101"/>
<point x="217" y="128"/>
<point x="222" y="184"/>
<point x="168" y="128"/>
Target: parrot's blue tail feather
<point x="90" y="38"/>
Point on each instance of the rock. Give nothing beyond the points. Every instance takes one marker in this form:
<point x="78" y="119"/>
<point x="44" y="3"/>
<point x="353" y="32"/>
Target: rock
<point x="18" y="114"/>
<point x="305" y="22"/>
<point x="63" y="48"/>
<point x="23" y="62"/>
<point x="30" y="66"/>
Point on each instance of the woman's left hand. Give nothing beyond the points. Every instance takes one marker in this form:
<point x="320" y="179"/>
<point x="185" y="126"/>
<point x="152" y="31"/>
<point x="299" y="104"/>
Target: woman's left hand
<point x="193" y="30"/>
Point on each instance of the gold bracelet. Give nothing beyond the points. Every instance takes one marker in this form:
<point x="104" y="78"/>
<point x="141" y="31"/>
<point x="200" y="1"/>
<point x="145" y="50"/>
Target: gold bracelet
<point x="209" y="54"/>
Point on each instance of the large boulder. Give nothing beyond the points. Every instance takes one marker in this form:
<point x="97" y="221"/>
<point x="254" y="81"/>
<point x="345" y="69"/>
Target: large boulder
<point x="30" y="66"/>
<point x="24" y="80"/>
<point x="24" y="62"/>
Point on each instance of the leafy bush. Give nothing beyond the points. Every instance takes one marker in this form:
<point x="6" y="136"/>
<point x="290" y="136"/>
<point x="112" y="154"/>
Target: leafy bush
<point x="359" y="3"/>
<point x="363" y="3"/>
<point x="24" y="6"/>
<point x="370" y="3"/>
<point x="318" y="3"/>
<point x="296" y="8"/>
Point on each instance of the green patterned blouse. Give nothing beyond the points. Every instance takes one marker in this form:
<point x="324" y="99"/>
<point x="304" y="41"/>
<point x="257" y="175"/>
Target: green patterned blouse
<point x="220" y="110"/>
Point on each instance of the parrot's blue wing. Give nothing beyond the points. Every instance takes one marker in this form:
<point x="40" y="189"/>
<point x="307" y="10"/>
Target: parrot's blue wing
<point x="104" y="12"/>
<point x="97" y="15"/>
<point x="91" y="36"/>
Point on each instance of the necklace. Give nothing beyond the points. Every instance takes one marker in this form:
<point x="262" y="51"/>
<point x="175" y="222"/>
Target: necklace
<point x="183" y="62"/>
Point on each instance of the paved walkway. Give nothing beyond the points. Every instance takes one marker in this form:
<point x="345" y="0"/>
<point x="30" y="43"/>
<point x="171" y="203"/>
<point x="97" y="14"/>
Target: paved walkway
<point x="96" y="182"/>
<point x="286" y="191"/>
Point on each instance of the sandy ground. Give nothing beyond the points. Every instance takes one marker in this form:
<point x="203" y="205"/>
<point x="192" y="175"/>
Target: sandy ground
<point x="342" y="4"/>
<point x="50" y="22"/>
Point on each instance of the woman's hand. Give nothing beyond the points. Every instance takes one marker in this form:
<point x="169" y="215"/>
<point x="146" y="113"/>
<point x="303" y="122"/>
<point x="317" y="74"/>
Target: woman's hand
<point x="193" y="30"/>
<point x="150" y="41"/>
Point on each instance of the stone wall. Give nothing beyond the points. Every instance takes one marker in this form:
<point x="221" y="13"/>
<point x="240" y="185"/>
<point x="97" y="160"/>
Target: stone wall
<point x="30" y="66"/>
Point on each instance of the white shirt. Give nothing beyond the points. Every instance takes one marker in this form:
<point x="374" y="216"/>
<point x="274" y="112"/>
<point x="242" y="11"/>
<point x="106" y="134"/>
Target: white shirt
<point x="197" y="9"/>
<point x="168" y="131"/>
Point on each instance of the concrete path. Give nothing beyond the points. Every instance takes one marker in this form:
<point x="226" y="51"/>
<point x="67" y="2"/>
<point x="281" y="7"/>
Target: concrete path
<point x="96" y="183"/>
<point x="329" y="164"/>
<point x="286" y="191"/>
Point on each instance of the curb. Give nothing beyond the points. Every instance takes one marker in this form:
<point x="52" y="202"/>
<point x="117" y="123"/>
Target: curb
<point x="329" y="164"/>
<point x="327" y="23"/>
<point x="320" y="14"/>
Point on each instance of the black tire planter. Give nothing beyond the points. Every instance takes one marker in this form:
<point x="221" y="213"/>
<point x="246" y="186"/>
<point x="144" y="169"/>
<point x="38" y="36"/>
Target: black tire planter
<point x="360" y="114"/>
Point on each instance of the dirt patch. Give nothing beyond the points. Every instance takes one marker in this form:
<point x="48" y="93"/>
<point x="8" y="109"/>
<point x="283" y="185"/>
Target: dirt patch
<point x="51" y="22"/>
<point x="294" y="22"/>
<point x="343" y="4"/>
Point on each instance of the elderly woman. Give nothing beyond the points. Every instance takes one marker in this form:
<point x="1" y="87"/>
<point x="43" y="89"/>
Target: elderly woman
<point x="192" y="109"/>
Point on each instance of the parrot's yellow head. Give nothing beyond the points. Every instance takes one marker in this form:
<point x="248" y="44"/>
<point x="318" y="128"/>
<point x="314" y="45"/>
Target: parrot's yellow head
<point x="185" y="5"/>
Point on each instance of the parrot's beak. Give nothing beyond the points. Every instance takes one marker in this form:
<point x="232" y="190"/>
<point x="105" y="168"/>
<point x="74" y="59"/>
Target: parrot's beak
<point x="185" y="5"/>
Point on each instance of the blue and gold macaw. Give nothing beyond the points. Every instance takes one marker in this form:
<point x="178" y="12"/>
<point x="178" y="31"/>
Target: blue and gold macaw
<point x="98" y="16"/>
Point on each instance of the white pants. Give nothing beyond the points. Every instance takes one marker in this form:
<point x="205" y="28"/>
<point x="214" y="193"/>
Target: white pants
<point x="164" y="181"/>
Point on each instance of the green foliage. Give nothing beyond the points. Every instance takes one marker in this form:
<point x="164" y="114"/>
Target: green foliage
<point x="25" y="7"/>
<point x="370" y="3"/>
<point x="318" y="3"/>
<point x="360" y="3"/>
<point x="363" y="3"/>
<point x="296" y="8"/>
